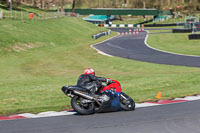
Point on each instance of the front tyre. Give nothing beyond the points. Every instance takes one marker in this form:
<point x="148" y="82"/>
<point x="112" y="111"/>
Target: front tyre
<point x="126" y="102"/>
<point x="82" y="108"/>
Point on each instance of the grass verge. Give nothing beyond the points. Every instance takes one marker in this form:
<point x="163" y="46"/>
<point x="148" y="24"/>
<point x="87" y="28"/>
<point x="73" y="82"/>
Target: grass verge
<point x="38" y="57"/>
<point x="178" y="43"/>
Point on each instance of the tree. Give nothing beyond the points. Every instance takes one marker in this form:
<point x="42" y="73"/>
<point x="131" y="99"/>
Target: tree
<point x="144" y="4"/>
<point x="73" y="5"/>
<point x="186" y="5"/>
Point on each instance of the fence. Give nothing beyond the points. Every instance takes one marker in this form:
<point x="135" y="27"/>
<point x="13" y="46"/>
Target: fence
<point x="17" y="15"/>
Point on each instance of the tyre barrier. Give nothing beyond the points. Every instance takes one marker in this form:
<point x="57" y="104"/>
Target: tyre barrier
<point x="101" y="34"/>
<point x="160" y="25"/>
<point x="181" y="30"/>
<point x="194" y="36"/>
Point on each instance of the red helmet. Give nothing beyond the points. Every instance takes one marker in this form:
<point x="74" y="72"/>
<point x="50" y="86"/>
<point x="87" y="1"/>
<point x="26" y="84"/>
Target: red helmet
<point x="89" y="71"/>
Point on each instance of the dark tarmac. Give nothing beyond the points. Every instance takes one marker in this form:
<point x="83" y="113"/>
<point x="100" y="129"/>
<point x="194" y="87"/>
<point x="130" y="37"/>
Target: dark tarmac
<point x="134" y="47"/>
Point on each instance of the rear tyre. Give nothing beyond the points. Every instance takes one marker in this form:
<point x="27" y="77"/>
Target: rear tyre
<point x="82" y="108"/>
<point x="126" y="102"/>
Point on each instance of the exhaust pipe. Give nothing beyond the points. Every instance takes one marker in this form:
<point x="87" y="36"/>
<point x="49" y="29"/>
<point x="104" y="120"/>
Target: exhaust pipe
<point x="84" y="95"/>
<point x="87" y="96"/>
<point x="64" y="89"/>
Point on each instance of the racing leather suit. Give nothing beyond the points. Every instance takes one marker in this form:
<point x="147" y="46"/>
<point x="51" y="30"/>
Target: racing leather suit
<point x="90" y="82"/>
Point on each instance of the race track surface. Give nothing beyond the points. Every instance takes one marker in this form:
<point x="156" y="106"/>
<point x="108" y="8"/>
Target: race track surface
<point x="172" y="118"/>
<point x="134" y="47"/>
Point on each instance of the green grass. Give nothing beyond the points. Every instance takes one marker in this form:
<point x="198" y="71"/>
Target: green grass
<point x="178" y="43"/>
<point x="22" y="12"/>
<point x="31" y="79"/>
<point x="22" y="7"/>
<point x="31" y="56"/>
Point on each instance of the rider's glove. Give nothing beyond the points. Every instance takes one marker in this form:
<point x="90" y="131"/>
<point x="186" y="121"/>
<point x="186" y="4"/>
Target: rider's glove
<point x="109" y="81"/>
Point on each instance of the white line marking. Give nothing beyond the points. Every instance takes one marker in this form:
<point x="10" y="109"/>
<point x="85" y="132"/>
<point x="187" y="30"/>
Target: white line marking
<point x="140" y="105"/>
<point x="189" y="98"/>
<point x="101" y="52"/>
<point x="47" y="114"/>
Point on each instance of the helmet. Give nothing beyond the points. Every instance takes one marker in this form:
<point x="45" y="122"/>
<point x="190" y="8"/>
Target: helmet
<point x="89" y="71"/>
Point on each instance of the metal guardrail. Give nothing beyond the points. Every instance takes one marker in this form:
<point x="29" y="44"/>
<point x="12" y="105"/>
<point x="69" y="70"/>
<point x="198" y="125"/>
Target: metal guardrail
<point x="101" y="34"/>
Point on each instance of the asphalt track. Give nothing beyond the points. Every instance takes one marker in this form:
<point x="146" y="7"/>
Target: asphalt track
<point x="172" y="118"/>
<point x="134" y="47"/>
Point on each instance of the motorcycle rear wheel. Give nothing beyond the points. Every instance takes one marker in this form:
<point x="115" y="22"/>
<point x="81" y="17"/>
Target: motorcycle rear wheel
<point x="127" y="103"/>
<point x="82" y="109"/>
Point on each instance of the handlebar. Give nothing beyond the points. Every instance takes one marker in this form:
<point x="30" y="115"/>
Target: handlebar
<point x="110" y="82"/>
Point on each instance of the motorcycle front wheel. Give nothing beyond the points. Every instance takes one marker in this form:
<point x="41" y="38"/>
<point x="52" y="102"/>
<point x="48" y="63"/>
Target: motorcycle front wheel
<point x="126" y="102"/>
<point x="82" y="108"/>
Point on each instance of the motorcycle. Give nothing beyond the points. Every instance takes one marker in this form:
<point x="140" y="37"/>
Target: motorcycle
<point x="108" y="99"/>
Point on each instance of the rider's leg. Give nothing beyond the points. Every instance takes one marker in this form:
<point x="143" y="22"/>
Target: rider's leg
<point x="100" y="89"/>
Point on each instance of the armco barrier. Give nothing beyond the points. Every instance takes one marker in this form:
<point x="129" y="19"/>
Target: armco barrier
<point x="101" y="34"/>
<point x="194" y="36"/>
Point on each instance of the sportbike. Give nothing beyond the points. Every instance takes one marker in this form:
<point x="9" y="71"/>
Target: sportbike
<point x="109" y="98"/>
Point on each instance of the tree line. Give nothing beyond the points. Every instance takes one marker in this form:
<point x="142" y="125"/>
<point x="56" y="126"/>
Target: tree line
<point x="183" y="5"/>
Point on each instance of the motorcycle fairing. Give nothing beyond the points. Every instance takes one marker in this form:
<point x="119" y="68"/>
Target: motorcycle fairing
<point x="113" y="104"/>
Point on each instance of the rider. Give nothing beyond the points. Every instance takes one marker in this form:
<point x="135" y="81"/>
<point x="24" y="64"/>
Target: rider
<point x="89" y="81"/>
